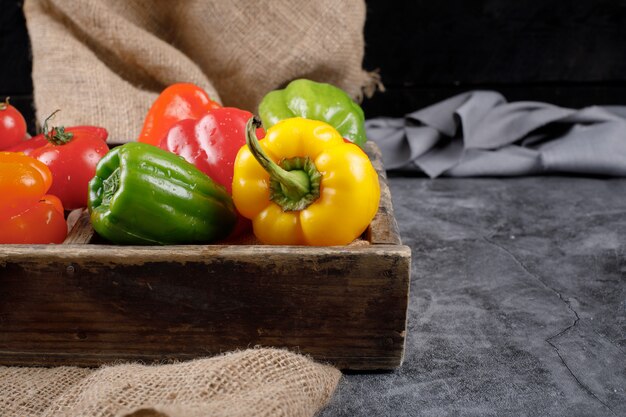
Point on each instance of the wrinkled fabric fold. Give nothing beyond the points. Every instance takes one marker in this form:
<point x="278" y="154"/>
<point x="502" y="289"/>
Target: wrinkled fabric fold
<point x="251" y="382"/>
<point x="103" y="62"/>
<point x="479" y="133"/>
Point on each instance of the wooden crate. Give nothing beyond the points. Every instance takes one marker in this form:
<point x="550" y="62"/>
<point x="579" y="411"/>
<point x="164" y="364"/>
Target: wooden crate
<point x="87" y="303"/>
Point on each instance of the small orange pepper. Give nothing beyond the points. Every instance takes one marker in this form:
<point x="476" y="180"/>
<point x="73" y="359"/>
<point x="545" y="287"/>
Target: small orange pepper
<point x="27" y="213"/>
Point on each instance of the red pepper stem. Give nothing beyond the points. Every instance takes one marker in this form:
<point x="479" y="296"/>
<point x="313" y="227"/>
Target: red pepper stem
<point x="56" y="135"/>
<point x="294" y="188"/>
<point x="5" y="105"/>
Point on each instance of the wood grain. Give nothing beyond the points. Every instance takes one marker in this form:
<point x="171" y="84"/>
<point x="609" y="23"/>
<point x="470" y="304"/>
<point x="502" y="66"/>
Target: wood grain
<point x="81" y="231"/>
<point x="384" y="228"/>
<point x="340" y="305"/>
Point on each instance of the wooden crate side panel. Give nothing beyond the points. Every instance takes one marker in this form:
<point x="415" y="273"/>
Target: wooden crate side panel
<point x="384" y="229"/>
<point x="101" y="303"/>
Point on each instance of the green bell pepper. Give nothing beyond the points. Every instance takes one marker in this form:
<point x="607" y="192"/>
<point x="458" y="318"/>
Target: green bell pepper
<point x="147" y="196"/>
<point x="317" y="101"/>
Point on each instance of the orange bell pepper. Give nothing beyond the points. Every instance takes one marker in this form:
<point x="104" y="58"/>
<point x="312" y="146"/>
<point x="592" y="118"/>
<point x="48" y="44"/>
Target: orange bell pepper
<point x="177" y="102"/>
<point x="27" y="213"/>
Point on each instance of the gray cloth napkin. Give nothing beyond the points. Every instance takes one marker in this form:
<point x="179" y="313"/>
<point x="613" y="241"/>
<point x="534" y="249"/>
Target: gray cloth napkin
<point x="478" y="133"/>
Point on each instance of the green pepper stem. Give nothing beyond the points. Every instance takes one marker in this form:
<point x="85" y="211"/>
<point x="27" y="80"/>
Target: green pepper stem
<point x="56" y="135"/>
<point x="295" y="183"/>
<point x="110" y="186"/>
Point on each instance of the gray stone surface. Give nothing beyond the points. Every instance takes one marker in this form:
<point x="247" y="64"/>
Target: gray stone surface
<point x="518" y="301"/>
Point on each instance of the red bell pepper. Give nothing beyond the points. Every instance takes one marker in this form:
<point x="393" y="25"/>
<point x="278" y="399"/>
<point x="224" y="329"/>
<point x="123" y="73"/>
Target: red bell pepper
<point x="177" y="102"/>
<point x="72" y="155"/>
<point x="211" y="143"/>
<point x="28" y="145"/>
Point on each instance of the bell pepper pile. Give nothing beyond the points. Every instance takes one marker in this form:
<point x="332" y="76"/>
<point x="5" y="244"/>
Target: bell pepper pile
<point x="65" y="159"/>
<point x="199" y="173"/>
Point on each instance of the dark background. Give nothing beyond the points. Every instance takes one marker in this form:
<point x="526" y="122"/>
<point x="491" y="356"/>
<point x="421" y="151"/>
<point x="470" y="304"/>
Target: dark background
<point x="571" y="53"/>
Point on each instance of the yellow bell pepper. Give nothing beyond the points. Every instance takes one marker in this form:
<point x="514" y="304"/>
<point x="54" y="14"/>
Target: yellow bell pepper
<point x="304" y="185"/>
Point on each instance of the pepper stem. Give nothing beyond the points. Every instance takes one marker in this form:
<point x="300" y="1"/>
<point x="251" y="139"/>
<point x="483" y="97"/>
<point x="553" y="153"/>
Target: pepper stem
<point x="110" y="186"/>
<point x="56" y="135"/>
<point x="295" y="183"/>
<point x="5" y="105"/>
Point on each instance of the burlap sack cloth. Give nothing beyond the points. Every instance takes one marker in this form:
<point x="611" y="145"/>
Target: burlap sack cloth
<point x="254" y="382"/>
<point x="103" y="62"/>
